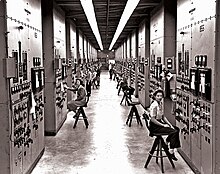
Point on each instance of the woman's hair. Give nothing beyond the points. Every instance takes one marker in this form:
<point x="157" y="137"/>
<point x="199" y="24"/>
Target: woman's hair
<point x="158" y="91"/>
<point x="80" y="80"/>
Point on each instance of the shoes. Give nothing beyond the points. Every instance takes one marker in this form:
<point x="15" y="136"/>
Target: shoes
<point x="173" y="157"/>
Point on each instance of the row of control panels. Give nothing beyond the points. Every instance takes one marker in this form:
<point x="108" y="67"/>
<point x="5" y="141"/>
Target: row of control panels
<point x="141" y="82"/>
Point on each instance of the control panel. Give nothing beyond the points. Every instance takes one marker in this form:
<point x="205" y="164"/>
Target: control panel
<point x="25" y="87"/>
<point x="195" y="83"/>
<point x="141" y="82"/>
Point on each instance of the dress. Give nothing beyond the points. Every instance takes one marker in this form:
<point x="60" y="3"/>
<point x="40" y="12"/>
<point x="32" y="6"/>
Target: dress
<point x="79" y="101"/>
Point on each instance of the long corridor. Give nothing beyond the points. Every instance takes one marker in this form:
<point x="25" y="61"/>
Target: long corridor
<point x="108" y="146"/>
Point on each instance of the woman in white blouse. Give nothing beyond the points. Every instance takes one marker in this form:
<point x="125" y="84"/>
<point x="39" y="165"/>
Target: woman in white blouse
<point x="160" y="124"/>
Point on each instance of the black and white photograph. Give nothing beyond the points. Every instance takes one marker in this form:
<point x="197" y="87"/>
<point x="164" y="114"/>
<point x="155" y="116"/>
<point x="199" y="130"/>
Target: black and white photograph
<point x="109" y="86"/>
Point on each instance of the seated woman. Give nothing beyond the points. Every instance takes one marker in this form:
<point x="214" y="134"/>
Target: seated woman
<point x="81" y="96"/>
<point x="160" y="124"/>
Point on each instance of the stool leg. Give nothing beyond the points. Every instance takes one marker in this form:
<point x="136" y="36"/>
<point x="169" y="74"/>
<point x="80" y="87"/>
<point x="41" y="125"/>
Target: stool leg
<point x="126" y="100"/>
<point x="161" y="156"/>
<point x="137" y="116"/>
<point x="77" y="118"/>
<point x="140" y="120"/>
<point x="128" y="119"/>
<point x="158" y="150"/>
<point x="167" y="153"/>
<point x="122" y="99"/>
<point x="151" y="152"/>
<point x="85" y="118"/>
<point x="119" y="89"/>
<point x="129" y="116"/>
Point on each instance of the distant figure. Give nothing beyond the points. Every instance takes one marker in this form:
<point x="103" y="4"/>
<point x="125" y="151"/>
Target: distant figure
<point x="110" y="73"/>
<point x="98" y="72"/>
<point x="78" y="72"/>
<point x="93" y="80"/>
<point x="88" y="81"/>
<point x="110" y="66"/>
<point x="110" y="70"/>
<point x="81" y="96"/>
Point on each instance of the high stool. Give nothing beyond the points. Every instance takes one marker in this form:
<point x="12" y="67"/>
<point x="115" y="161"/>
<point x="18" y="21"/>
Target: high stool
<point x="128" y="91"/>
<point x="81" y="113"/>
<point x="159" y="146"/>
<point x="133" y="112"/>
<point x="125" y="97"/>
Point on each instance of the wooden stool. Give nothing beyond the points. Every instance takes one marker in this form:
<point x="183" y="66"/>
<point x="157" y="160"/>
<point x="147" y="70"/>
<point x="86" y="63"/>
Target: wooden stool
<point x="128" y="92"/>
<point x="133" y="112"/>
<point x="81" y="113"/>
<point x="159" y="145"/>
<point x="125" y="97"/>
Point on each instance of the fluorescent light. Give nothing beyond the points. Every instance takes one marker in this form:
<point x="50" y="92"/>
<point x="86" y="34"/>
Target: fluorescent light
<point x="129" y="8"/>
<point x="90" y="14"/>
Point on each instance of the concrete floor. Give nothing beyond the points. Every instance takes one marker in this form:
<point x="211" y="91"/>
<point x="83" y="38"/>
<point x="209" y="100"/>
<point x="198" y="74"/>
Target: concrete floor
<point x="108" y="146"/>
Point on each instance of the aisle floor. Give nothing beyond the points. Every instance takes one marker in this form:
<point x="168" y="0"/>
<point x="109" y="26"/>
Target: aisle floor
<point x="108" y="146"/>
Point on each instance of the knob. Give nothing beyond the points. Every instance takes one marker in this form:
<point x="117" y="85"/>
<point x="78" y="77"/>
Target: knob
<point x="35" y="126"/>
<point x="192" y="130"/>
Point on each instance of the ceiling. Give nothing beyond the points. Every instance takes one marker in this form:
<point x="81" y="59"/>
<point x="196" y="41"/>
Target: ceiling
<point x="108" y="13"/>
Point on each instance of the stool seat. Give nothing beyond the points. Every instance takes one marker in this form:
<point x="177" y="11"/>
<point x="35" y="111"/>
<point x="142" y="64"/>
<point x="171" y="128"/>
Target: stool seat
<point x="134" y="103"/>
<point x="159" y="134"/>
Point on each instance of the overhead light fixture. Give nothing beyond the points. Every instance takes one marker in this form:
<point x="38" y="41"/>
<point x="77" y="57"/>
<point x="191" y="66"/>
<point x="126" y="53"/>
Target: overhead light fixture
<point x="90" y="15"/>
<point x="129" y="8"/>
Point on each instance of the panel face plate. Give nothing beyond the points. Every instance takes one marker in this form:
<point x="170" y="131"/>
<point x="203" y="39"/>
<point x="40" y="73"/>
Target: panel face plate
<point x="195" y="79"/>
<point x="27" y="116"/>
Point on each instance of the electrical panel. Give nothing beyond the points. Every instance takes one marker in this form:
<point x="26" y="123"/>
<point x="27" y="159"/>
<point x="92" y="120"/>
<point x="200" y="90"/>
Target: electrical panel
<point x="183" y="119"/>
<point x="132" y="73"/>
<point x="195" y="67"/>
<point x="23" y="130"/>
<point x="57" y="66"/>
<point x="61" y="94"/>
<point x="141" y="82"/>
<point x="132" y="77"/>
